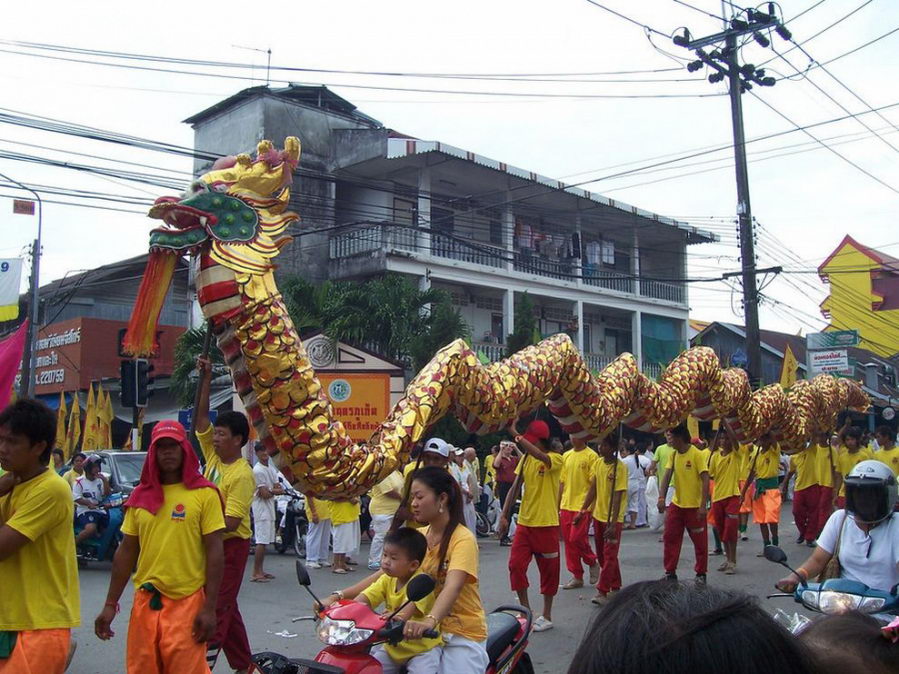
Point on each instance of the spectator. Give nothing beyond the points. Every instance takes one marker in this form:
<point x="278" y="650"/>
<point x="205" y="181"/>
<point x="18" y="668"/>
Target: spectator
<point x="674" y="628"/>
<point x="637" y="470"/>
<point x="505" y="464"/>
<point x="59" y="461"/>
<point x="850" y="642"/>
<point x="77" y="469"/>
<point x="89" y="491"/>
<point x="386" y="497"/>
<point x="346" y="534"/>
<point x="318" y="535"/>
<point x="469" y="486"/>
<point x="471" y="458"/>
<point x="267" y="487"/>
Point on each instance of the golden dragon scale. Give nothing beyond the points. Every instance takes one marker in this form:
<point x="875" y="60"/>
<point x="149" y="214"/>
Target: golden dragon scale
<point x="233" y="221"/>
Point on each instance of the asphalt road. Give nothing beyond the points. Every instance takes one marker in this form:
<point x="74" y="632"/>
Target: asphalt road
<point x="268" y="608"/>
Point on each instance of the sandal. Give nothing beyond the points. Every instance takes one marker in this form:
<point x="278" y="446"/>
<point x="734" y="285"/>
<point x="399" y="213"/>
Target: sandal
<point x="269" y="576"/>
<point x="259" y="579"/>
<point x="340" y="571"/>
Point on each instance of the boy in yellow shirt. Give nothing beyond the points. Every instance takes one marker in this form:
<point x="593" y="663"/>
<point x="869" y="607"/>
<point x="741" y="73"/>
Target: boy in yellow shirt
<point x="851" y="453"/>
<point x="404" y="551"/>
<point x="767" y="500"/>
<point x="39" y="599"/>
<point x="608" y="488"/>
<point x="888" y="452"/>
<point x="725" y="467"/>
<point x="805" y="493"/>
<point x="576" y="479"/>
<point x="173" y="537"/>
<point x="688" y="466"/>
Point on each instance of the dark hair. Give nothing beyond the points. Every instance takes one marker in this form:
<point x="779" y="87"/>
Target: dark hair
<point x="236" y="423"/>
<point x="77" y="454"/>
<point x="854" y="432"/>
<point x="34" y="420"/>
<point x="440" y="481"/>
<point x="665" y="626"/>
<point x="681" y="431"/>
<point x="850" y="642"/>
<point x="58" y="452"/>
<point x="409" y="540"/>
<point x="886" y="431"/>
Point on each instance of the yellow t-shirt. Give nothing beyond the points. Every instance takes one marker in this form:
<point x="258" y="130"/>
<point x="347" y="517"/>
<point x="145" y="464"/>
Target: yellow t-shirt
<point x="804" y="464"/>
<point x="70" y="476"/>
<point x="490" y="471"/>
<point x="322" y="508"/>
<point x="381" y="504"/>
<point x="467" y="617"/>
<point x="384" y="591"/>
<point x="726" y="472"/>
<point x="890" y="457"/>
<point x="746" y="454"/>
<point x="767" y="465"/>
<point x="539" y="502"/>
<point x="603" y="474"/>
<point x="344" y="512"/>
<point x="577" y="472"/>
<point x="688" y="469"/>
<point x="172" y="552"/>
<point x="235" y="482"/>
<point x="846" y="461"/>
<point x="39" y="582"/>
<point x="825" y="462"/>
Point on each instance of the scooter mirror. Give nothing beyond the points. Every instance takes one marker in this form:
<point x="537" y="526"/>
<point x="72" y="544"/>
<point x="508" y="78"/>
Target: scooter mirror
<point x="419" y="587"/>
<point x="303" y="575"/>
<point x="775" y="554"/>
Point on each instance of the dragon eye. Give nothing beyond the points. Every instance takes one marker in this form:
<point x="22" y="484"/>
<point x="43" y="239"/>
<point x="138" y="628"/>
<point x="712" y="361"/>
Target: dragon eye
<point x="219" y="187"/>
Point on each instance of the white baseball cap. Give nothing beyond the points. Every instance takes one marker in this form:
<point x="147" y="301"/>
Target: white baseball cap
<point x="437" y="446"/>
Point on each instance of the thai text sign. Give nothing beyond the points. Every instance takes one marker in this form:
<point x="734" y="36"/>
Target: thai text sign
<point x="360" y="401"/>
<point x="832" y="361"/>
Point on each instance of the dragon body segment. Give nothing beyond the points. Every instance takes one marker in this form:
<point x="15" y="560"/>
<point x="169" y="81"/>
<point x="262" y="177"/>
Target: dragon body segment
<point x="233" y="221"/>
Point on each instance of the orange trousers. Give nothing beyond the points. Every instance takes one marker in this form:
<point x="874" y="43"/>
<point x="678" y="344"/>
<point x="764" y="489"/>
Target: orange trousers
<point x="39" y="652"/>
<point x="160" y="642"/>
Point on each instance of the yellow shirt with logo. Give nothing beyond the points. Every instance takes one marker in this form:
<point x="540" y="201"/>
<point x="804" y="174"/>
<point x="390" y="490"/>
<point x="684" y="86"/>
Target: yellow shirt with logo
<point x="847" y="460"/>
<point x="381" y="504"/>
<point x="384" y="591"/>
<point x="604" y="475"/>
<point x="767" y="463"/>
<point x="39" y="582"/>
<point x="172" y="552"/>
<point x="825" y="463"/>
<point x="235" y="482"/>
<point x="803" y="465"/>
<point x="726" y="472"/>
<point x="687" y="479"/>
<point x="890" y="457"/>
<point x="539" y="502"/>
<point x="466" y="618"/>
<point x="577" y="473"/>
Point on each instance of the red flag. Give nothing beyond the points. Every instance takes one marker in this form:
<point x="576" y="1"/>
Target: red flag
<point x="22" y="207"/>
<point x="11" y="350"/>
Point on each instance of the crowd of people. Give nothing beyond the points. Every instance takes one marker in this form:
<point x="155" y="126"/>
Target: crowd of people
<point x="189" y="528"/>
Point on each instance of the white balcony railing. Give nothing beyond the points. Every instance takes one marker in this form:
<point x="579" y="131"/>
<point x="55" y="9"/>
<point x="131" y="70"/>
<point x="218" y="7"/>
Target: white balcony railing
<point x="473" y="253"/>
<point x="608" y="280"/>
<point x="493" y="351"/>
<point x="660" y="290"/>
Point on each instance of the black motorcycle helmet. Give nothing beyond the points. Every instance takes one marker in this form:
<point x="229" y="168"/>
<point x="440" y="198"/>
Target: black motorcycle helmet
<point x="870" y="492"/>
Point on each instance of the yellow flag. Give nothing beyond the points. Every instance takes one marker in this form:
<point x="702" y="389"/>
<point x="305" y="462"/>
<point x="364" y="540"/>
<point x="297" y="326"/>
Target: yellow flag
<point x="61" y="424"/>
<point x="716" y="424"/>
<point x="788" y="372"/>
<point x="140" y="426"/>
<point x="91" y="428"/>
<point x="693" y="426"/>
<point x="105" y="415"/>
<point x="73" y="432"/>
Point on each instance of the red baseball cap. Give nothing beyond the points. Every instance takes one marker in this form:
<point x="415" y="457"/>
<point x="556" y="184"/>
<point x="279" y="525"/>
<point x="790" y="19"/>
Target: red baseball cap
<point x="537" y="430"/>
<point x="169" y="429"/>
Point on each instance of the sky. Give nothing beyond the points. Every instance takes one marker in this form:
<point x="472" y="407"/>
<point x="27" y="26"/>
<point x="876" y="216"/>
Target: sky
<point x="804" y="197"/>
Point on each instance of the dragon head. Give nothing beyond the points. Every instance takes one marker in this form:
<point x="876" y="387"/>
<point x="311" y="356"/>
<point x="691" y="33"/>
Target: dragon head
<point x="235" y="215"/>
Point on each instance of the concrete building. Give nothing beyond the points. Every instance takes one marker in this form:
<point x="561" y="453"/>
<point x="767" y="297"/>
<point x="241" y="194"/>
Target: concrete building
<point x="374" y="201"/>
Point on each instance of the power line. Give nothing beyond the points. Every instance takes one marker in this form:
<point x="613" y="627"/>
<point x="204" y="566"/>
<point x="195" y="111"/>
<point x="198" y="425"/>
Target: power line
<point x="628" y="19"/>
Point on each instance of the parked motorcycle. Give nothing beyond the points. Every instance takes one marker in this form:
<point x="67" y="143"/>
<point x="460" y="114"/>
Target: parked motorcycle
<point x="488" y="511"/>
<point x="836" y="595"/>
<point x="350" y="629"/>
<point x="293" y="523"/>
<point x="103" y="546"/>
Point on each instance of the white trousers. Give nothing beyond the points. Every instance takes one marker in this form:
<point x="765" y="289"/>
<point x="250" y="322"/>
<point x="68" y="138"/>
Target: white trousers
<point x="423" y="663"/>
<point x="463" y="655"/>
<point x="318" y="541"/>
<point x="380" y="524"/>
<point x="471" y="517"/>
<point x="346" y="538"/>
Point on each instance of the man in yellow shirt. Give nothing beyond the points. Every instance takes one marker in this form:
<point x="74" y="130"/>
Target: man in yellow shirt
<point x="805" y="492"/>
<point x="77" y="469"/>
<point x="576" y="479"/>
<point x="231" y="473"/>
<point x="689" y="469"/>
<point x="173" y="537"/>
<point x="39" y="597"/>
<point x="825" y="467"/>
<point x="606" y="498"/>
<point x="537" y="533"/>
<point x="318" y="533"/>
<point x="888" y="452"/>
<point x="851" y="453"/>
<point x="724" y="468"/>
<point x="767" y="500"/>
<point x="386" y="497"/>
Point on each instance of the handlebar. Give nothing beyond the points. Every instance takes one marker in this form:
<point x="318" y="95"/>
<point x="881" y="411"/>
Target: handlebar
<point x="393" y="632"/>
<point x="779" y="594"/>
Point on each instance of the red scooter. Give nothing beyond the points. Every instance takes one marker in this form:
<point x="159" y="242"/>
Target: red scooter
<point x="350" y="629"/>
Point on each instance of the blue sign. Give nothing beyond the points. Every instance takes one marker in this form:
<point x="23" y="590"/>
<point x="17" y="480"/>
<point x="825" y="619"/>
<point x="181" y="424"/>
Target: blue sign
<point x="185" y="416"/>
<point x="739" y="359"/>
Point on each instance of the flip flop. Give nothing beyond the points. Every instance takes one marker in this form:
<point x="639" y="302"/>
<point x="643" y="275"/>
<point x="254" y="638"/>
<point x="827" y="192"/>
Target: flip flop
<point x="341" y="571"/>
<point x="260" y="579"/>
<point x="269" y="576"/>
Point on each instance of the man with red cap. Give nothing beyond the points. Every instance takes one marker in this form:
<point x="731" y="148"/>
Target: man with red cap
<point x="173" y="535"/>
<point x="537" y="532"/>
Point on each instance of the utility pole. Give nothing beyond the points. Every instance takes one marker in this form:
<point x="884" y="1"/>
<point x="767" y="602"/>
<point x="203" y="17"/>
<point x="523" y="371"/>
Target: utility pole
<point x="726" y="63"/>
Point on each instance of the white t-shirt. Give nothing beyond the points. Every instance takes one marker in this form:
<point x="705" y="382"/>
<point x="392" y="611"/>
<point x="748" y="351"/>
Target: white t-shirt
<point x="266" y="476"/>
<point x="873" y="558"/>
<point x="84" y="488"/>
<point x="636" y="467"/>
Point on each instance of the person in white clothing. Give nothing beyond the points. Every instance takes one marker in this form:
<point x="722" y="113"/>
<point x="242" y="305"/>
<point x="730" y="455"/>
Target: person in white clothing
<point x="89" y="491"/>
<point x="461" y="471"/>
<point x="637" y="468"/>
<point x="263" y="508"/>
<point x="865" y="534"/>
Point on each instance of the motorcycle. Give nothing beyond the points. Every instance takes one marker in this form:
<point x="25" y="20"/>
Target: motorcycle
<point x="293" y="523"/>
<point x="103" y="546"/>
<point x="350" y="629"/>
<point x="834" y="596"/>
<point x="488" y="510"/>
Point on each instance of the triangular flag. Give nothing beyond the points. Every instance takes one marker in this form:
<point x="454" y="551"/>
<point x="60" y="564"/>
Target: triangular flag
<point x="61" y="423"/>
<point x="91" y="427"/>
<point x="716" y="424"/>
<point x="105" y="416"/>
<point x="693" y="426"/>
<point x="73" y="432"/>
<point x="788" y="372"/>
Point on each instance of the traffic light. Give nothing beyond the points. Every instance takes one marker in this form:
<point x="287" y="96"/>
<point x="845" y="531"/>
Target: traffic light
<point x="128" y="380"/>
<point x="143" y="381"/>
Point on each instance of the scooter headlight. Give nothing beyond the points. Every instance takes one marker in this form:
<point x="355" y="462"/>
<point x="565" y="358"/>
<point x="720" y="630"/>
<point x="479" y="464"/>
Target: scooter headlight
<point x="871" y="604"/>
<point x="810" y="599"/>
<point x="838" y="602"/>
<point x="341" y="632"/>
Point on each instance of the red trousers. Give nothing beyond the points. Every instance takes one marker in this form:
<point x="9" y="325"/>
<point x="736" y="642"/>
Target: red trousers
<point x="230" y="632"/>
<point x="607" y="556"/>
<point x="805" y="511"/>
<point x="726" y="516"/>
<point x="577" y="542"/>
<point x="676" y="521"/>
<point x="841" y="503"/>
<point x="539" y="542"/>
<point x="825" y="508"/>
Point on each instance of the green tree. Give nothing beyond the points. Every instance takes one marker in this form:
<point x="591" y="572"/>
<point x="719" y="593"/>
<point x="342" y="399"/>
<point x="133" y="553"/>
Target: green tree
<point x="183" y="383"/>
<point x="525" y="332"/>
<point x="444" y="325"/>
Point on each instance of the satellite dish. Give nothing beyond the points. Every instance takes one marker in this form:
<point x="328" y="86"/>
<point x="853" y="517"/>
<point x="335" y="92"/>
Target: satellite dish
<point x="888" y="413"/>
